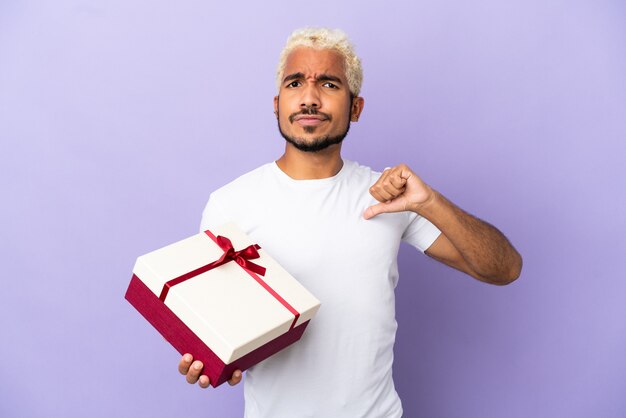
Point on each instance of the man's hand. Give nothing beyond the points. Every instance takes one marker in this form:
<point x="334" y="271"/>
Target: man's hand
<point x="192" y="369"/>
<point x="398" y="189"/>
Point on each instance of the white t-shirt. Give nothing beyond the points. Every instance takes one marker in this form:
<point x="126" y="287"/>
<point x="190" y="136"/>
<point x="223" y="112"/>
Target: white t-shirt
<point x="341" y="367"/>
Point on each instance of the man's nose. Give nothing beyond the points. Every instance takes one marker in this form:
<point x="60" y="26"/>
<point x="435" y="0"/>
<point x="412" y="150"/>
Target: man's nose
<point x="310" y="97"/>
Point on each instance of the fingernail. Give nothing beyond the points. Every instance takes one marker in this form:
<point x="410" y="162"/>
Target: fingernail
<point x="197" y="366"/>
<point x="187" y="358"/>
<point x="238" y="374"/>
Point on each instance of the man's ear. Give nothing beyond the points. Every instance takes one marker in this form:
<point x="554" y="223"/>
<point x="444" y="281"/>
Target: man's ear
<point x="276" y="106"/>
<point x="356" y="108"/>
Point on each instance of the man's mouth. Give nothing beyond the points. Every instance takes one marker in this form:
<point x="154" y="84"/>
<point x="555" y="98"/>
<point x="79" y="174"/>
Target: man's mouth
<point x="309" y="120"/>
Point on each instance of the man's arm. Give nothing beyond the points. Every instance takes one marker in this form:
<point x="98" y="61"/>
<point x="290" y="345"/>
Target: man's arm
<point x="466" y="243"/>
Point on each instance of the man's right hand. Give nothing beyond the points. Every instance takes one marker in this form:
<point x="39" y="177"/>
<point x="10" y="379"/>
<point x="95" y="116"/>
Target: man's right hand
<point x="192" y="369"/>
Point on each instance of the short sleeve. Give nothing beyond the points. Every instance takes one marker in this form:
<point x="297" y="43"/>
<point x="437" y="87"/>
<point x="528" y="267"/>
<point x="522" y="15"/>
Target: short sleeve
<point x="213" y="215"/>
<point x="420" y="233"/>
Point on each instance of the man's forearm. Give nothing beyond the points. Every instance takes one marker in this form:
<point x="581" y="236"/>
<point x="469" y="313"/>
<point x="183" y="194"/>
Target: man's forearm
<point x="484" y="248"/>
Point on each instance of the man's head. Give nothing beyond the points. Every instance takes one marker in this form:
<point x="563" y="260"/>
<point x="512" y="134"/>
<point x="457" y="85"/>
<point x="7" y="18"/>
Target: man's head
<point x="319" y="78"/>
<point x="323" y="38"/>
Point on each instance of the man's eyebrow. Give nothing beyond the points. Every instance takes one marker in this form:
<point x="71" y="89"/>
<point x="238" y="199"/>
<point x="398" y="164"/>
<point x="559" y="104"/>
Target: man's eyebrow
<point x="294" y="76"/>
<point x="321" y="77"/>
<point x="328" y="77"/>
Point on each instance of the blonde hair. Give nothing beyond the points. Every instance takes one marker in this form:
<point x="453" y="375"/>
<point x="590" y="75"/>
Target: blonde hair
<point x="324" y="38"/>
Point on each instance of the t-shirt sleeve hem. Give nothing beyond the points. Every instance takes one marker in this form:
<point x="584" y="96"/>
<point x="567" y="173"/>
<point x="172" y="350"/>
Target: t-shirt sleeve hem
<point x="430" y="235"/>
<point x="423" y="235"/>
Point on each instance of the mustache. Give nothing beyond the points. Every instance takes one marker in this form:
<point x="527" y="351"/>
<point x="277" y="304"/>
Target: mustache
<point x="309" y="111"/>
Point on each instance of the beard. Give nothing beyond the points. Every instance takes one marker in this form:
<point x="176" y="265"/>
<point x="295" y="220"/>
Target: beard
<point x="316" y="144"/>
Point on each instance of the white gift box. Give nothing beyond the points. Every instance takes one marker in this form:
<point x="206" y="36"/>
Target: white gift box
<point x="229" y="317"/>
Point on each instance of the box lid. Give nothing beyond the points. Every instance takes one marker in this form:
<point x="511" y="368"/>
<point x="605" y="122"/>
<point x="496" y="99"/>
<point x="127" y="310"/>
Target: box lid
<point x="226" y="307"/>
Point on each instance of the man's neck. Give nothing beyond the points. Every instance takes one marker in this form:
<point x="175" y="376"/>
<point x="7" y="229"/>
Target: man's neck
<point x="300" y="165"/>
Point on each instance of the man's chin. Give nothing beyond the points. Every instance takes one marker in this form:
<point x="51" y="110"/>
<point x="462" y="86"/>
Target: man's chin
<point x="309" y="129"/>
<point x="314" y="144"/>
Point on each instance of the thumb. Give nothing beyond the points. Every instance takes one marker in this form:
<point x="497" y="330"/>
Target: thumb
<point x="376" y="210"/>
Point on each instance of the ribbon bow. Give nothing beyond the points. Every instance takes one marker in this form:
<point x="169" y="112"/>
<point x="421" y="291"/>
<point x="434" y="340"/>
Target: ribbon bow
<point x="241" y="257"/>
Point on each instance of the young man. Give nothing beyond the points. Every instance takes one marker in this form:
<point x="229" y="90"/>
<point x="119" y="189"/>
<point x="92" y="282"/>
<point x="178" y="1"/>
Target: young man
<point x="337" y="226"/>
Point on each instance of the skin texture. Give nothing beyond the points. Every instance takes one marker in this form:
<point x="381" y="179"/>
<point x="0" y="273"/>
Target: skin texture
<point x="315" y="105"/>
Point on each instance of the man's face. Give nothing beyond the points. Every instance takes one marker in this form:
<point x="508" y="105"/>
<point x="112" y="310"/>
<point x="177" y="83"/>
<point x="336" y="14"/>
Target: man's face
<point x="314" y="106"/>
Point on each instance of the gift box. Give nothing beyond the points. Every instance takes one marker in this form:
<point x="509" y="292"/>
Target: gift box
<point x="222" y="298"/>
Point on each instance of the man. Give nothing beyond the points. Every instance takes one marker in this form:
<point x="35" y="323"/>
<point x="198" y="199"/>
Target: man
<point x="337" y="226"/>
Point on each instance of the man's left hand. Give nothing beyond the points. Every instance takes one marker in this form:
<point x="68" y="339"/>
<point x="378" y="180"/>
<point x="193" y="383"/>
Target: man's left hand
<point x="398" y="189"/>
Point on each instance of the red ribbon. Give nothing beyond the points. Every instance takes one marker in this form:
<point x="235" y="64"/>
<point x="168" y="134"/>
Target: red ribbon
<point x="241" y="257"/>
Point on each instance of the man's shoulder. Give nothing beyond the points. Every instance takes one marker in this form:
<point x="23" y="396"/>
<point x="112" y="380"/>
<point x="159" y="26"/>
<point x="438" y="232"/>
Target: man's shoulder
<point x="362" y="173"/>
<point x="244" y="191"/>
<point x="246" y="182"/>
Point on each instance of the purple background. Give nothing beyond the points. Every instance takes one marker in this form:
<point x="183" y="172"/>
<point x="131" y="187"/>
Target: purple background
<point x="118" y="118"/>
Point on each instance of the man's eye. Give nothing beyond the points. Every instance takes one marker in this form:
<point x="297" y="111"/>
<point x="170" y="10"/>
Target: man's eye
<point x="294" y="84"/>
<point x="330" y="85"/>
